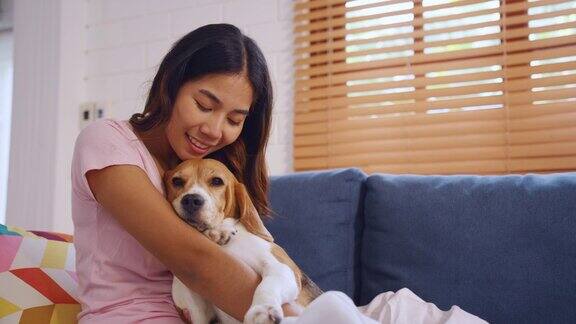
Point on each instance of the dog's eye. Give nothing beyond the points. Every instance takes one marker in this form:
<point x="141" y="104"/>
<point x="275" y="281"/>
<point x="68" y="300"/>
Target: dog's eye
<point x="177" y="182"/>
<point x="217" y="182"/>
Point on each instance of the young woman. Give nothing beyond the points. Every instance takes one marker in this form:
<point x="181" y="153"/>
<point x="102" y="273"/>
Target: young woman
<point x="211" y="97"/>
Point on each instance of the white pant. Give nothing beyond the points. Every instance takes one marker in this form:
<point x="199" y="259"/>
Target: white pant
<point x="404" y="306"/>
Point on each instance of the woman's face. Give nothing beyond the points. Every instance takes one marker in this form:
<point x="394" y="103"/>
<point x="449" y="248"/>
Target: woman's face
<point x="208" y="114"/>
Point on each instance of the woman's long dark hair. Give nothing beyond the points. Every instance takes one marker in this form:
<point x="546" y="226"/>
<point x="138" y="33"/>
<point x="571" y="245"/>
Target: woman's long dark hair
<point x="219" y="49"/>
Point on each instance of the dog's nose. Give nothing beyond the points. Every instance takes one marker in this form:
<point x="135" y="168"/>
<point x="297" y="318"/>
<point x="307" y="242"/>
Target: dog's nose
<point x="192" y="202"/>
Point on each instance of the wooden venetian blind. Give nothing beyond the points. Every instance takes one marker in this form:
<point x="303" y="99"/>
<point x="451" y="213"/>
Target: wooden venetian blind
<point x="483" y="87"/>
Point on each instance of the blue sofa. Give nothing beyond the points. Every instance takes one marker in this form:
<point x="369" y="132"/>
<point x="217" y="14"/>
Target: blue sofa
<point x="500" y="247"/>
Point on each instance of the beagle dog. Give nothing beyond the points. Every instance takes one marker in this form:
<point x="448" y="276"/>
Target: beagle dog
<point x="207" y="196"/>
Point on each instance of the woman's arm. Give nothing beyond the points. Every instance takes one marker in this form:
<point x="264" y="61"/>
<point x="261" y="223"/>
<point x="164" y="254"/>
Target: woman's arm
<point x="127" y="193"/>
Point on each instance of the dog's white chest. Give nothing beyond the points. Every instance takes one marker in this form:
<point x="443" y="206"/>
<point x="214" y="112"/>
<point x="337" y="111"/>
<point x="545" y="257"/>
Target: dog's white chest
<point x="249" y="248"/>
<point x="278" y="283"/>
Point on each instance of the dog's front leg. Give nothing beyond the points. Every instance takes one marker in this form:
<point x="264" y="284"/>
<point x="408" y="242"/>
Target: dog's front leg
<point x="278" y="286"/>
<point x="224" y="233"/>
<point x="195" y="308"/>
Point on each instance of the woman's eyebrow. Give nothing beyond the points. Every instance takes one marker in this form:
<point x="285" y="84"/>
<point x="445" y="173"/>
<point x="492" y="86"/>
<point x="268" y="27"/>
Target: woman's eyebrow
<point x="211" y="96"/>
<point x="219" y="102"/>
<point x="241" y="111"/>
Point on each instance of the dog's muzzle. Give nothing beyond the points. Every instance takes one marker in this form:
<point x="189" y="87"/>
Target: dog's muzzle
<point x="191" y="204"/>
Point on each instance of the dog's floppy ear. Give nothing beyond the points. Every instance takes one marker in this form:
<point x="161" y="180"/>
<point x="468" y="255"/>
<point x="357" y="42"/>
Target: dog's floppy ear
<point x="165" y="181"/>
<point x="247" y="213"/>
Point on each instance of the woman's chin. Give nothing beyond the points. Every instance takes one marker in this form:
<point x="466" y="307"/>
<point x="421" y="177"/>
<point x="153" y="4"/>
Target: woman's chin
<point x="197" y="156"/>
<point x="187" y="153"/>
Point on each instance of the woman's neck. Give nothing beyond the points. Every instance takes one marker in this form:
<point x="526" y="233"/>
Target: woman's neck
<point x="157" y="144"/>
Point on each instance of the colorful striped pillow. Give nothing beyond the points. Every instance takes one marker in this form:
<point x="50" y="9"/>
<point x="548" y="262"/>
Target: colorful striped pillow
<point x="37" y="279"/>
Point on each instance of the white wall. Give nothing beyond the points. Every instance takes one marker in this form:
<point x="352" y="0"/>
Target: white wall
<point x="6" y="67"/>
<point x="107" y="51"/>
<point x="71" y="93"/>
<point x="127" y="39"/>
<point x="48" y="88"/>
<point x="6" y="73"/>
<point x="32" y="140"/>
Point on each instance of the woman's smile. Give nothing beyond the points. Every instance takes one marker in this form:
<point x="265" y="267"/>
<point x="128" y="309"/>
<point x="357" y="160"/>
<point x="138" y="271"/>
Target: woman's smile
<point x="197" y="146"/>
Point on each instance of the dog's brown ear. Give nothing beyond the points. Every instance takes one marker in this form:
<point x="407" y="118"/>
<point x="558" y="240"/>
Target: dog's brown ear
<point x="231" y="209"/>
<point x="248" y="215"/>
<point x="166" y="181"/>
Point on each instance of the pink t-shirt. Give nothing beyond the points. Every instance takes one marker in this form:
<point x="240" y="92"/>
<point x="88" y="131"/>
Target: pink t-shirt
<point x="119" y="281"/>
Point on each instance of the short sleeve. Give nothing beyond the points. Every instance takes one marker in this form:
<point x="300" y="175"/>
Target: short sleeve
<point x="102" y="143"/>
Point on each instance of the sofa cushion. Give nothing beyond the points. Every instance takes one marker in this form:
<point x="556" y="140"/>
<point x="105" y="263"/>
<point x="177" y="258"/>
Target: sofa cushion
<point x="316" y="222"/>
<point x="37" y="279"/>
<point x="501" y="247"/>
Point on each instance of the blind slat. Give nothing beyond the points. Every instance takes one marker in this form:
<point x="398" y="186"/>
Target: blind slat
<point x="341" y="46"/>
<point x="519" y="118"/>
<point x="439" y="57"/>
<point x="405" y="66"/>
<point x="518" y="140"/>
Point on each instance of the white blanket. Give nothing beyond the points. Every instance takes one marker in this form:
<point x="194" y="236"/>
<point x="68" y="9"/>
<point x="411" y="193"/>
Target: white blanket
<point x="404" y="306"/>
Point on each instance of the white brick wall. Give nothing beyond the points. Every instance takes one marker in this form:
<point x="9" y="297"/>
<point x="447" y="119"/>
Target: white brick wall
<point x="126" y="39"/>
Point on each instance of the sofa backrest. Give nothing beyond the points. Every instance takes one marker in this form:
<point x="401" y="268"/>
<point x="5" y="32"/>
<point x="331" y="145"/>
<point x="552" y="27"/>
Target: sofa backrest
<point x="316" y="221"/>
<point x="500" y="247"/>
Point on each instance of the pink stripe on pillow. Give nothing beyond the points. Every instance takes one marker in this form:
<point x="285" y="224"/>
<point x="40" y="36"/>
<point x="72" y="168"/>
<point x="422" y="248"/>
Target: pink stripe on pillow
<point x="10" y="245"/>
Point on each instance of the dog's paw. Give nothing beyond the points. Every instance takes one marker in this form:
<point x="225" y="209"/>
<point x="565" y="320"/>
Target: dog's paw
<point x="222" y="235"/>
<point x="263" y="314"/>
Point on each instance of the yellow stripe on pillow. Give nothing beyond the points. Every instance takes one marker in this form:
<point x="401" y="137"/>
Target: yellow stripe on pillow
<point x="7" y="308"/>
<point x="55" y="255"/>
